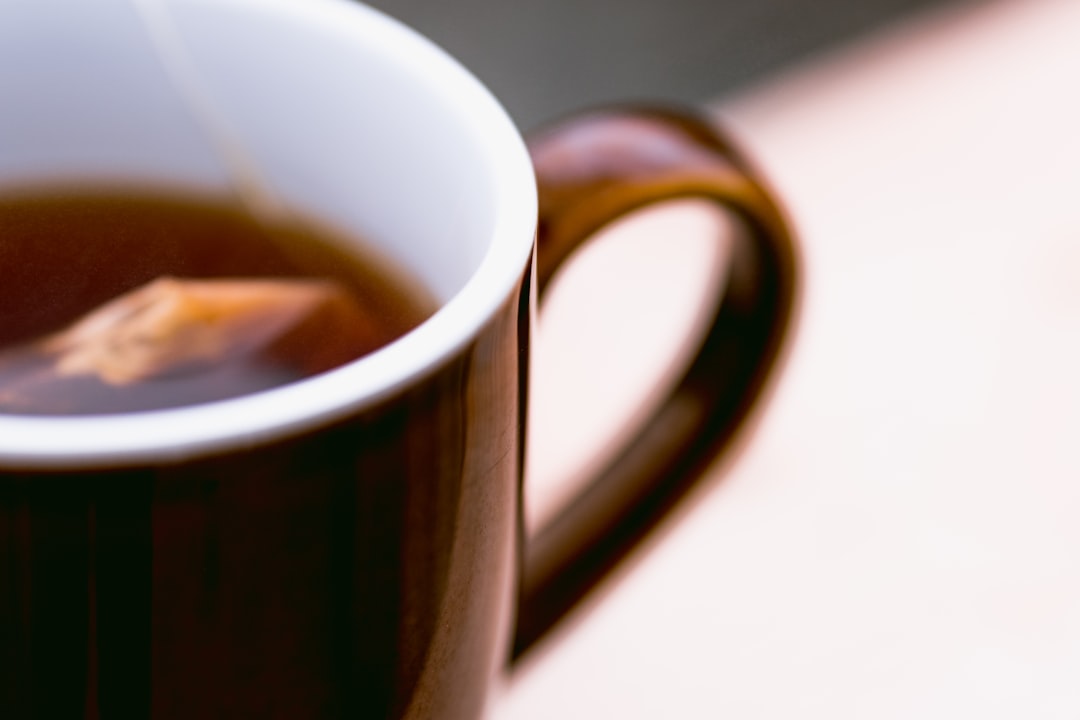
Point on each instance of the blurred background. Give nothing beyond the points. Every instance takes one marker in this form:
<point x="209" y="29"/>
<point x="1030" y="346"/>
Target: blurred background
<point x="543" y="58"/>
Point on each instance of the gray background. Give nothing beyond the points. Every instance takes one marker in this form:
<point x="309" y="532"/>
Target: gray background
<point x="543" y="58"/>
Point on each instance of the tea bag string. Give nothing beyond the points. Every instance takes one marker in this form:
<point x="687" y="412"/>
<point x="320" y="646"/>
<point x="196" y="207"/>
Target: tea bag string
<point x="240" y="166"/>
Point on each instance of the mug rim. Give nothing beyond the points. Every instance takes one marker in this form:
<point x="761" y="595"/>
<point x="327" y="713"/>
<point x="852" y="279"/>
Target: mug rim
<point x="185" y="433"/>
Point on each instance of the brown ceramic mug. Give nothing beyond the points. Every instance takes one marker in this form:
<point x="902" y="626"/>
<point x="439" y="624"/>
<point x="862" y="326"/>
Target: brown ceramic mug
<point x="349" y="545"/>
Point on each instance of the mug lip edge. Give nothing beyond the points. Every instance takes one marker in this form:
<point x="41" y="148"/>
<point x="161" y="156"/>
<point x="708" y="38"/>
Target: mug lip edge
<point x="173" y="435"/>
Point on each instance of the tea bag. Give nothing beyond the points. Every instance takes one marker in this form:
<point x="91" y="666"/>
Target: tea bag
<point x="204" y="338"/>
<point x="174" y="341"/>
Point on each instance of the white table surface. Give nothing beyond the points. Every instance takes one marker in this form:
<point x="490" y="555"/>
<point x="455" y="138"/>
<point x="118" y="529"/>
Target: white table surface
<point x="899" y="534"/>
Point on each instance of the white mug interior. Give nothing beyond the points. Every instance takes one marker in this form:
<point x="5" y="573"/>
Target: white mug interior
<point x="344" y="115"/>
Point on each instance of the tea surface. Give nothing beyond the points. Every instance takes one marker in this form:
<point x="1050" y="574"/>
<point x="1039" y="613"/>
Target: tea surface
<point x="120" y="303"/>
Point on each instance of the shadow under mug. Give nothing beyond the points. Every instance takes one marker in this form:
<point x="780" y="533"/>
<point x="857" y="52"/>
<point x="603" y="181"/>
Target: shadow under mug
<point x="350" y="545"/>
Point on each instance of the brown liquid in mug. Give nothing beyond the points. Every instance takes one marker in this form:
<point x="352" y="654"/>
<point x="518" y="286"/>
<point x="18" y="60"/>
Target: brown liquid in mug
<point x="308" y="301"/>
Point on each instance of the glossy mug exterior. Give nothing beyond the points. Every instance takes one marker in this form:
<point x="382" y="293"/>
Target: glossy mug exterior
<point x="346" y="546"/>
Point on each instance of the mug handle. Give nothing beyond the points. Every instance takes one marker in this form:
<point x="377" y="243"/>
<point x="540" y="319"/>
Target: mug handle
<point x="591" y="170"/>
